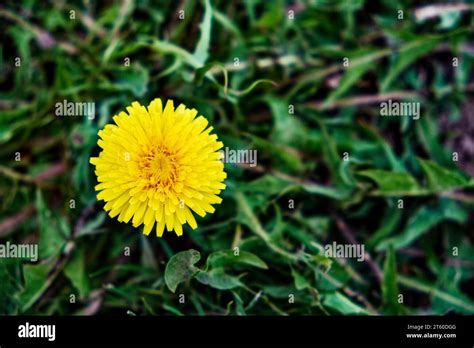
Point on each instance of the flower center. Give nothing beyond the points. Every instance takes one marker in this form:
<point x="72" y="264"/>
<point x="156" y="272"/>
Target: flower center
<point x="159" y="166"/>
<point x="162" y="167"/>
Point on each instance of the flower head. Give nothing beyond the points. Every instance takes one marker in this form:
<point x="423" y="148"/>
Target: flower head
<point x="159" y="165"/>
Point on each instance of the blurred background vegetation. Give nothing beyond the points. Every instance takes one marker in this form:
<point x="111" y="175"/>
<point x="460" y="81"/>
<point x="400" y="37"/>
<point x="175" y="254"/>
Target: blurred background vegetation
<point x="268" y="75"/>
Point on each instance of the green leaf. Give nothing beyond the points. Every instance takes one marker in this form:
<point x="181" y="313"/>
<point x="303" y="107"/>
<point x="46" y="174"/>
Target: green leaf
<point x="75" y="271"/>
<point x="177" y="51"/>
<point x="217" y="279"/>
<point x="35" y="284"/>
<point x="272" y="185"/>
<point x="279" y="155"/>
<point x="92" y="225"/>
<point x="287" y="129"/>
<point x="351" y="76"/>
<point x="134" y="79"/>
<point x="388" y="224"/>
<point x="395" y="163"/>
<point x="8" y="286"/>
<point x="272" y="16"/>
<point x="202" y="49"/>
<point x="440" y="178"/>
<point x="449" y="279"/>
<point x="300" y="281"/>
<point x="462" y="304"/>
<point x="267" y="184"/>
<point x="342" y="304"/>
<point x="239" y="304"/>
<point x="423" y="220"/>
<point x="326" y="191"/>
<point x="389" y="284"/>
<point x="392" y="183"/>
<point x="407" y="55"/>
<point x="180" y="268"/>
<point x="428" y="135"/>
<point x="227" y="257"/>
<point x="51" y="240"/>
<point x="250" y="219"/>
<point x="172" y="309"/>
<point x="330" y="151"/>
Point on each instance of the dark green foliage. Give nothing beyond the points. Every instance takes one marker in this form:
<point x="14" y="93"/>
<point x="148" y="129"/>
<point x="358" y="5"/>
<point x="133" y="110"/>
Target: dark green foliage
<point x="330" y="167"/>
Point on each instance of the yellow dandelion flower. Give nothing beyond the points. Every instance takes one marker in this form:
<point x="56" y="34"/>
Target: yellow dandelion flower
<point x="159" y="165"/>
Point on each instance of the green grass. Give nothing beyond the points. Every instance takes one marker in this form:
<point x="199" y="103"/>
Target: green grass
<point x="330" y="167"/>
